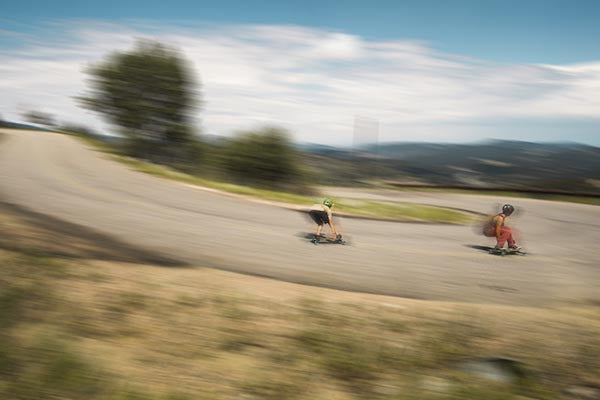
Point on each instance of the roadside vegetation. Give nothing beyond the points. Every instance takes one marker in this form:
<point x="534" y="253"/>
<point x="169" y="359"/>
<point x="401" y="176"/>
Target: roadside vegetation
<point x="83" y="321"/>
<point x="149" y="93"/>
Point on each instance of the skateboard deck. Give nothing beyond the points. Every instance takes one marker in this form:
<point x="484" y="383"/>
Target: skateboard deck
<point x="507" y="252"/>
<point x="311" y="237"/>
<point x="503" y="252"/>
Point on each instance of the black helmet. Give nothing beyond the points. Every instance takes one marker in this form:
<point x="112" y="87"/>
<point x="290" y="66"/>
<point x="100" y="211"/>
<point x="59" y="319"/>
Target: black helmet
<point x="507" y="209"/>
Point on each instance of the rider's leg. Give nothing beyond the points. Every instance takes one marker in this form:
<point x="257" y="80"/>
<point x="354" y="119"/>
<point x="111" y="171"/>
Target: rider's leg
<point x="505" y="236"/>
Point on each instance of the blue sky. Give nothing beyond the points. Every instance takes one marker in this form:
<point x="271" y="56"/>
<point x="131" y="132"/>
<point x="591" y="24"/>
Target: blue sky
<point x="541" y="31"/>
<point x="426" y="70"/>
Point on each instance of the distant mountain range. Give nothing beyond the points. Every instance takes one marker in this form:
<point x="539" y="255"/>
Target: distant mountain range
<point x="568" y="167"/>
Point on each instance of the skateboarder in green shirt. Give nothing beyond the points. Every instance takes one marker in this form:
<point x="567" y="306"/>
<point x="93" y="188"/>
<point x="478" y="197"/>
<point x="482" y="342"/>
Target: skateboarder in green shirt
<point x="322" y="214"/>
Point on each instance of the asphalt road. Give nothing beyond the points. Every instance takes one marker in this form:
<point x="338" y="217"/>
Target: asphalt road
<point x="59" y="176"/>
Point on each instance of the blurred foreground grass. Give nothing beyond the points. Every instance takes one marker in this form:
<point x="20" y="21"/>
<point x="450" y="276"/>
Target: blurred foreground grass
<point x="78" y="328"/>
<point x="407" y="212"/>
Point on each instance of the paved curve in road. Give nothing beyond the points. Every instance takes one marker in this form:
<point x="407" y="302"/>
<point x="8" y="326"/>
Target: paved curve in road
<point x="59" y="176"/>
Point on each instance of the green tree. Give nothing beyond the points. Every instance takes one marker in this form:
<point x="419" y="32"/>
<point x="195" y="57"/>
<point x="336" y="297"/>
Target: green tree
<point x="266" y="157"/>
<point x="148" y="92"/>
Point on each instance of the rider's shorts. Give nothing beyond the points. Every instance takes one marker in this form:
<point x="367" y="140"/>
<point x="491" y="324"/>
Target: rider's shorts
<point x="320" y="217"/>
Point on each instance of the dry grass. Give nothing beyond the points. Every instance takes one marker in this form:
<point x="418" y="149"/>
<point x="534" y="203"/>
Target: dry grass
<point x="78" y="327"/>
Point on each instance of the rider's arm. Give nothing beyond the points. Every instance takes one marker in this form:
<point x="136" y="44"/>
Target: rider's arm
<point x="332" y="226"/>
<point x="499" y="221"/>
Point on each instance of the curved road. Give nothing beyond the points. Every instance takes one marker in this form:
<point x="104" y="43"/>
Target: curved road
<point x="59" y="176"/>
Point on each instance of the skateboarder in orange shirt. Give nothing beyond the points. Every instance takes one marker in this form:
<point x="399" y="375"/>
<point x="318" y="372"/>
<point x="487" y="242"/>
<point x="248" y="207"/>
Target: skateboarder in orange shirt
<point x="495" y="228"/>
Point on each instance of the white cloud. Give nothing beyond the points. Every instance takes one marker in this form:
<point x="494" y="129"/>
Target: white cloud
<point x="311" y="81"/>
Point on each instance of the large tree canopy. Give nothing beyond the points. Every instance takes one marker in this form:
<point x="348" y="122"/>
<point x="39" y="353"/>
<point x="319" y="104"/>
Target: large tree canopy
<point x="148" y="92"/>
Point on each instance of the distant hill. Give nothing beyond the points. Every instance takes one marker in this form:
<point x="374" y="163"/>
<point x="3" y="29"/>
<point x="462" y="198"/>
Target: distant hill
<point x="568" y="167"/>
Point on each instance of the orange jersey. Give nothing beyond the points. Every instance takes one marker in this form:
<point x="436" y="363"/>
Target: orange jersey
<point x="490" y="228"/>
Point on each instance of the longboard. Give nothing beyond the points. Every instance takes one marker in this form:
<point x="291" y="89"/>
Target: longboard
<point x="311" y="237"/>
<point x="507" y="252"/>
<point x="503" y="252"/>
